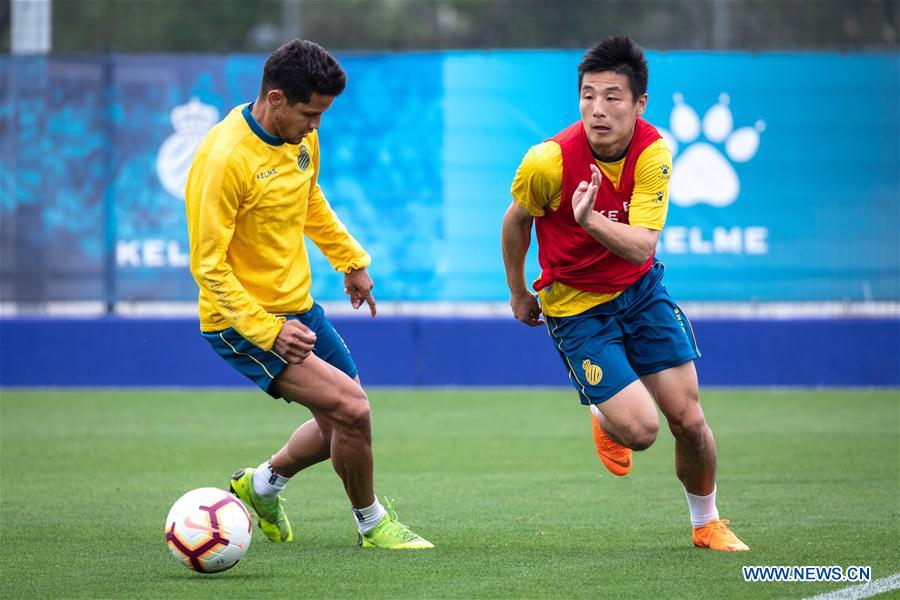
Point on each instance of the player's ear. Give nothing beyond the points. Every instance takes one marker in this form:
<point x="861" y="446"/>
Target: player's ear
<point x="642" y="104"/>
<point x="275" y="97"/>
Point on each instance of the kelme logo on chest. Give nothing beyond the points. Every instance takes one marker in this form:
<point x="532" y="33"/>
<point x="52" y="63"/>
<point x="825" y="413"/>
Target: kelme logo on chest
<point x="304" y="159"/>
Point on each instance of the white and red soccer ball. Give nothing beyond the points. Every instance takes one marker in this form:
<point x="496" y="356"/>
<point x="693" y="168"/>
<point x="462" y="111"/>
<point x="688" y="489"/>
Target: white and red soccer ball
<point x="208" y="530"/>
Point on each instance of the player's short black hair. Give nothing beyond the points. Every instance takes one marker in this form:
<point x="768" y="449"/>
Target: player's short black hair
<point x="619" y="54"/>
<point x="299" y="68"/>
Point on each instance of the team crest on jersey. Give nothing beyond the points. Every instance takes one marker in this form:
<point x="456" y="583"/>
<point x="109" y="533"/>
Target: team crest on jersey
<point x="593" y="373"/>
<point x="304" y="159"/>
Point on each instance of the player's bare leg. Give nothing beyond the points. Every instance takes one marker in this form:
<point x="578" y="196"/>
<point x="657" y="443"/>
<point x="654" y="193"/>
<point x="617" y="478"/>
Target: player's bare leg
<point x="630" y="417"/>
<point x="342" y="418"/>
<point x="340" y="428"/>
<point x="626" y="422"/>
<point x="310" y="444"/>
<point x="677" y="394"/>
<point x="260" y="488"/>
<point x="341" y="405"/>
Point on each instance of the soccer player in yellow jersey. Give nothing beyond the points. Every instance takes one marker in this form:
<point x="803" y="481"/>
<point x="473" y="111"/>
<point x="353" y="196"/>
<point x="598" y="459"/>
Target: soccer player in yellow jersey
<point x="597" y="193"/>
<point x="252" y="195"/>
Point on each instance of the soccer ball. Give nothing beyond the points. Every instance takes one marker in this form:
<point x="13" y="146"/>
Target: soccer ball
<point x="208" y="530"/>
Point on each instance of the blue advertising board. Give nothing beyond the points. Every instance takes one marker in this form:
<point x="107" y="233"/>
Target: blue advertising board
<point x="441" y="351"/>
<point x="785" y="183"/>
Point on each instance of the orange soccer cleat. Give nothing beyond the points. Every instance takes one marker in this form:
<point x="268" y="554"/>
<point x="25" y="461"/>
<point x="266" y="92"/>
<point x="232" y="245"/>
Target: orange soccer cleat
<point x="614" y="456"/>
<point x="715" y="535"/>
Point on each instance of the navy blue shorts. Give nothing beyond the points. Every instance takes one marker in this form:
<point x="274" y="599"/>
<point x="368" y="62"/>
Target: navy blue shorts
<point x="262" y="367"/>
<point x="641" y="332"/>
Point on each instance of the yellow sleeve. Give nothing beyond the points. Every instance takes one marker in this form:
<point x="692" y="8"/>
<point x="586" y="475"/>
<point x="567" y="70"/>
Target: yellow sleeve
<point x="214" y="193"/>
<point x="538" y="181"/>
<point x="325" y="229"/>
<point x="650" y="198"/>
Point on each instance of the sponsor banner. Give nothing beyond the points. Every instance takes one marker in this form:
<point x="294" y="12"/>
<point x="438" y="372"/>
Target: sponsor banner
<point x="783" y="186"/>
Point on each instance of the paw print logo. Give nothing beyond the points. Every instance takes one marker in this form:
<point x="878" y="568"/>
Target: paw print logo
<point x="703" y="173"/>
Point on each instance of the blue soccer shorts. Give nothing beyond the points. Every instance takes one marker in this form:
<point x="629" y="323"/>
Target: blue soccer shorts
<point x="262" y="366"/>
<point x="640" y="332"/>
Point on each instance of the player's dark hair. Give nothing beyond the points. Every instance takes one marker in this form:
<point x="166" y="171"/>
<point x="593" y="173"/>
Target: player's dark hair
<point x="618" y="54"/>
<point x="299" y="68"/>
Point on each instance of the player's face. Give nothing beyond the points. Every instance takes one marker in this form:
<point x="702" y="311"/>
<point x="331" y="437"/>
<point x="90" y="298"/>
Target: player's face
<point x="609" y="111"/>
<point x="295" y="122"/>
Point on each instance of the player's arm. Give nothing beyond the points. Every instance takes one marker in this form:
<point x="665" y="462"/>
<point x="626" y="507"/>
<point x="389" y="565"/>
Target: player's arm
<point x="213" y="201"/>
<point x="325" y="229"/>
<point x="344" y="253"/>
<point x="516" y="238"/>
<point x="650" y="197"/>
<point x="634" y="243"/>
<point x="535" y="187"/>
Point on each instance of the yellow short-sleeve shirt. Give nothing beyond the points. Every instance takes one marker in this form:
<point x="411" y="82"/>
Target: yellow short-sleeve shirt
<point x="537" y="188"/>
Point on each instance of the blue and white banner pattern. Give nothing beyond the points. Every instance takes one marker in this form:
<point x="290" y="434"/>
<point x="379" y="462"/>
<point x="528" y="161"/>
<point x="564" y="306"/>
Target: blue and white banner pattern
<point x="784" y="185"/>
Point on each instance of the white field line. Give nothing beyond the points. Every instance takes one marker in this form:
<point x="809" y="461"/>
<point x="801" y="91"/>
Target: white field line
<point x="863" y="590"/>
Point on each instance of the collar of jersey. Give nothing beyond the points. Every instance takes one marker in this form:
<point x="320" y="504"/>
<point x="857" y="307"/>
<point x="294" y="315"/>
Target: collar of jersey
<point x="261" y="133"/>
<point x="615" y="158"/>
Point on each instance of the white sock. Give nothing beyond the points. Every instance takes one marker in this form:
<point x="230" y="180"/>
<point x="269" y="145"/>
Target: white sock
<point x="267" y="482"/>
<point x="369" y="517"/>
<point x="703" y="508"/>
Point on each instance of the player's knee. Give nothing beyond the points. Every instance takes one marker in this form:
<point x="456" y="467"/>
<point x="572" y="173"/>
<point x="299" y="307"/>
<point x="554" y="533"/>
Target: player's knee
<point x="354" y="413"/>
<point x="638" y="434"/>
<point x="643" y="436"/>
<point x="688" y="423"/>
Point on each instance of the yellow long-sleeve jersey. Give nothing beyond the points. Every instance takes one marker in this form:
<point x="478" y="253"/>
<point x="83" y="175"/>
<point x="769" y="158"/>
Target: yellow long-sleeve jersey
<point x="250" y="199"/>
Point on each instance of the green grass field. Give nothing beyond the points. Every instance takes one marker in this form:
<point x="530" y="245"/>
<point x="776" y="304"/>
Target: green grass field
<point x="504" y="482"/>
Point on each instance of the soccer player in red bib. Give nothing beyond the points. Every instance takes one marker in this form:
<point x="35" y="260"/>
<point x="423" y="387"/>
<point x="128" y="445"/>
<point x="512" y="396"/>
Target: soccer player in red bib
<point x="597" y="194"/>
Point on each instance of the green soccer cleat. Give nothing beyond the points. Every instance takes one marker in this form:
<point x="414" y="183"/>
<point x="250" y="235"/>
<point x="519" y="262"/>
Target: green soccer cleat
<point x="272" y="520"/>
<point x="391" y="533"/>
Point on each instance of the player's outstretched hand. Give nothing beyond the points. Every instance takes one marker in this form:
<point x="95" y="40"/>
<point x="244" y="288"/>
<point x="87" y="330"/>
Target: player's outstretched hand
<point x="585" y="195"/>
<point x="525" y="308"/>
<point x="358" y="285"/>
<point x="295" y="341"/>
